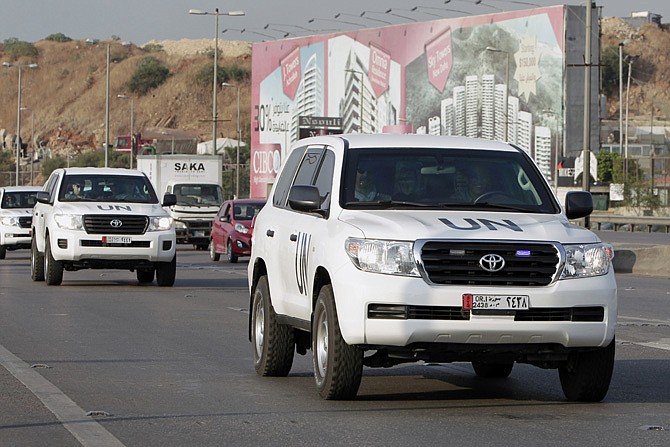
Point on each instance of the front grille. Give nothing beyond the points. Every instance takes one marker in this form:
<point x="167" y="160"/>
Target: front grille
<point x="25" y="221"/>
<point x="109" y="224"/>
<point x="453" y="262"/>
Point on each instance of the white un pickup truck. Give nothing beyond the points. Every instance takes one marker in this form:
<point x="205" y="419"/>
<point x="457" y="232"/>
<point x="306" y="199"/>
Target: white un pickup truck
<point x="376" y="250"/>
<point x="102" y="218"/>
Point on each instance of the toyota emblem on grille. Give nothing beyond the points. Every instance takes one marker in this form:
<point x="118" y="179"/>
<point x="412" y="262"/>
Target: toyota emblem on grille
<point x="116" y="223"/>
<point x="492" y="262"/>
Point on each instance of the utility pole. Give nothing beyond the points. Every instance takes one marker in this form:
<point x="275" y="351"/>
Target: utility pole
<point x="586" y="173"/>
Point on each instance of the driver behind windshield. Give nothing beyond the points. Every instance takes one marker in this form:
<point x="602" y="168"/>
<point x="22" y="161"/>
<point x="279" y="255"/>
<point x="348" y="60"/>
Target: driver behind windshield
<point x="471" y="183"/>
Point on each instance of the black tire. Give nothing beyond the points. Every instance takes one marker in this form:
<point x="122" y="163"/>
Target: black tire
<point x="36" y="262"/>
<point x="229" y="252"/>
<point x="166" y="272"/>
<point x="586" y="376"/>
<point x="53" y="270"/>
<point x="492" y="370"/>
<point x="145" y="276"/>
<point x="213" y="255"/>
<point x="3" y="251"/>
<point x="273" y="342"/>
<point x="338" y="367"/>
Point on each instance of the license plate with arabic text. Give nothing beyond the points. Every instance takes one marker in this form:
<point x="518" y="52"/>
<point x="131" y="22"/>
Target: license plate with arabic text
<point x="503" y="302"/>
<point x="117" y="240"/>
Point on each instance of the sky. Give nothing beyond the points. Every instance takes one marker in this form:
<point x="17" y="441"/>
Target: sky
<point x="140" y="21"/>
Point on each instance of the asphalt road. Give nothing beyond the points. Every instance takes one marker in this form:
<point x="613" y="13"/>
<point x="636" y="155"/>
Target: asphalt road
<point x="103" y="361"/>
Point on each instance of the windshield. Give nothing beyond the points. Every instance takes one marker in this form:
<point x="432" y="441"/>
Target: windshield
<point x="444" y="178"/>
<point x="195" y="194"/>
<point x="18" y="199"/>
<point x="112" y="188"/>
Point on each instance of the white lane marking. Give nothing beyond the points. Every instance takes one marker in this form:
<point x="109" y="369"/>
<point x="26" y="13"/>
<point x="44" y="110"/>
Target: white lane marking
<point x="650" y="320"/>
<point x="663" y="343"/>
<point x="88" y="432"/>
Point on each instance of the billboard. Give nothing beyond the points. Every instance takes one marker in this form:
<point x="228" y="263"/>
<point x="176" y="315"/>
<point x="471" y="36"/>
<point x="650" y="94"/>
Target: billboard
<point x="505" y="76"/>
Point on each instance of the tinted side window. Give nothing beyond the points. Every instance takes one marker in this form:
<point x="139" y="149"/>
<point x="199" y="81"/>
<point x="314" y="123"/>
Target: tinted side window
<point x="324" y="179"/>
<point x="286" y="176"/>
<point x="308" y="167"/>
<point x="52" y="184"/>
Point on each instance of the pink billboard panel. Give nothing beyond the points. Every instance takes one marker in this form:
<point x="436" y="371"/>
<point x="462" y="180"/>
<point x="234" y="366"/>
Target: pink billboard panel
<point x="439" y="57"/>
<point x="290" y="70"/>
<point x="380" y="63"/>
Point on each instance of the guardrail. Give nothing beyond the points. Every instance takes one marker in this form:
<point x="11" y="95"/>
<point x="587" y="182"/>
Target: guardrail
<point x="601" y="221"/>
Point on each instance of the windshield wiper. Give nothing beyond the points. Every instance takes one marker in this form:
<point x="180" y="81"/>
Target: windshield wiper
<point x="385" y="204"/>
<point x="500" y="206"/>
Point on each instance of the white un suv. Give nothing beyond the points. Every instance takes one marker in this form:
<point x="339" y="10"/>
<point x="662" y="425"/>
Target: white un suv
<point x="376" y="250"/>
<point x="102" y="218"/>
<point x="16" y="215"/>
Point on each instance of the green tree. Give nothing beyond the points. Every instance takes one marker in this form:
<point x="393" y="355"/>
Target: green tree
<point x="7" y="164"/>
<point x="226" y="73"/>
<point x="15" y="48"/>
<point x="58" y="37"/>
<point x="51" y="164"/>
<point x="609" y="62"/>
<point x="150" y="73"/>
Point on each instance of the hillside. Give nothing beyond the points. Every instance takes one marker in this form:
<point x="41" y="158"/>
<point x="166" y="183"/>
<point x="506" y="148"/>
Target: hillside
<point x="650" y="73"/>
<point x="65" y="96"/>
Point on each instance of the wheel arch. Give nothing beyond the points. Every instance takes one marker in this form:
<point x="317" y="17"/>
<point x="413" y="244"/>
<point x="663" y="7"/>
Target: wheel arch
<point x="259" y="269"/>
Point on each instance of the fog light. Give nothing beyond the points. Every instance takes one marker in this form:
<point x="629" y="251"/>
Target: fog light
<point x="387" y="311"/>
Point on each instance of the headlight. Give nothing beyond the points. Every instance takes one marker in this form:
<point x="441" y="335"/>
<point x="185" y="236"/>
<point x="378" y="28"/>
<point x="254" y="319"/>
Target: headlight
<point x="378" y="256"/>
<point x="241" y="228"/>
<point x="179" y="225"/>
<point x="10" y="221"/>
<point x="160" y="223"/>
<point x="69" y="221"/>
<point x="587" y="260"/>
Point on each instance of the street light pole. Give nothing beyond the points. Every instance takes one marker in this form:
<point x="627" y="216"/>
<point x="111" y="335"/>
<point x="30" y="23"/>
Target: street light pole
<point x="107" y="111"/>
<point x="132" y="135"/>
<point x="18" y="131"/>
<point x="237" y="161"/>
<point x="215" y="86"/>
<point x="18" y="115"/>
<point x="620" y="98"/>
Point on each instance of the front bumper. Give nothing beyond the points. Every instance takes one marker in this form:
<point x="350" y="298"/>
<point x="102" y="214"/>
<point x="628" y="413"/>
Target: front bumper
<point x="436" y="312"/>
<point x="73" y="246"/>
<point x="15" y="236"/>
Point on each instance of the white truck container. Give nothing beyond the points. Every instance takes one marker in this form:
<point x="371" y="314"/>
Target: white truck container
<point x="196" y="181"/>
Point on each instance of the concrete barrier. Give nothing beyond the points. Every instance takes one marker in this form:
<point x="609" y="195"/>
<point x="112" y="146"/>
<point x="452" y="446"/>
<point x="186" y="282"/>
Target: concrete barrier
<point x="650" y="260"/>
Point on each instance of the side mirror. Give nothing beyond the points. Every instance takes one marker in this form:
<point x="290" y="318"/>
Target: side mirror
<point x="169" y="199"/>
<point x="578" y="204"/>
<point x="305" y="198"/>
<point x="43" y="197"/>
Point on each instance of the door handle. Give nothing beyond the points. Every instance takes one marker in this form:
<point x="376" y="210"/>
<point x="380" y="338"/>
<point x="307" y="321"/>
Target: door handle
<point x="270" y="233"/>
<point x="294" y="237"/>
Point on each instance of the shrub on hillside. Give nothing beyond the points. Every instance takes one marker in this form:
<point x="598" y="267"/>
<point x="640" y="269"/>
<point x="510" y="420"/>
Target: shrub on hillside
<point x="227" y="73"/>
<point x="152" y="47"/>
<point x="15" y="48"/>
<point x="58" y="37"/>
<point x="150" y="73"/>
